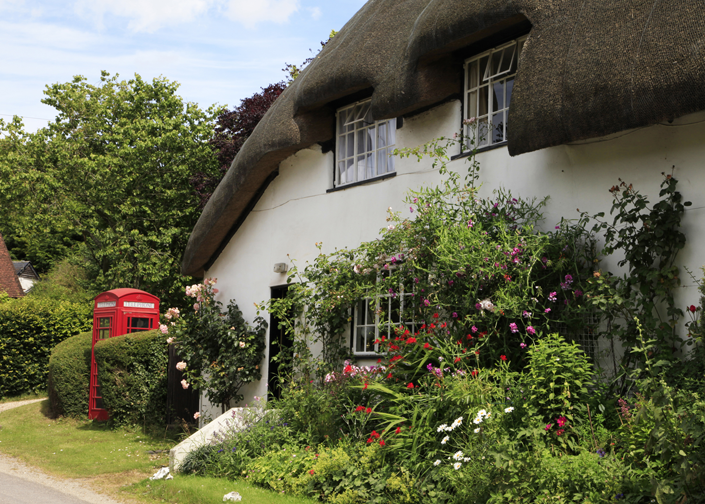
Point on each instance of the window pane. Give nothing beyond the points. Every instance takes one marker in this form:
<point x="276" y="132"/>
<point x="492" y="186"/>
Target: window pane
<point x="103" y="333"/>
<point x="392" y="131"/>
<point x="381" y="162"/>
<point x="341" y="173"/>
<point x="361" y="307"/>
<point x="349" y="177"/>
<point x="496" y="57"/>
<point x="104" y="322"/>
<point x="370" y="347"/>
<point x="473" y="80"/>
<point x="482" y="101"/>
<point x="370" y="164"/>
<point x="483" y="66"/>
<point x="341" y="120"/>
<point x="341" y="146"/>
<point x="361" y="136"/>
<point x="360" y="340"/>
<point x="497" y="95"/>
<point x="510" y="88"/>
<point x="370" y="312"/>
<point x="482" y="132"/>
<point x="507" y="60"/>
<point x="472" y="105"/>
<point x="498" y="127"/>
<point x="351" y="145"/>
<point x="390" y="160"/>
<point x="382" y="135"/>
<point x="360" y="168"/>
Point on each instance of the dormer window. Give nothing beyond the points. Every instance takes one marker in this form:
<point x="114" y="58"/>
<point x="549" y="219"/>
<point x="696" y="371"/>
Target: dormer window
<point x="489" y="81"/>
<point x="363" y="145"/>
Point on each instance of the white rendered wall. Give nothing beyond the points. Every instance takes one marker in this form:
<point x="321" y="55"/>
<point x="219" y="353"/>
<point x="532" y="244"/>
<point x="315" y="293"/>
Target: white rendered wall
<point x="295" y="211"/>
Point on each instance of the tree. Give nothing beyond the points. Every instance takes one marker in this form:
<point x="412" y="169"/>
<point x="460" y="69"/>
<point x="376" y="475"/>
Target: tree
<point x="109" y="179"/>
<point x="232" y="128"/>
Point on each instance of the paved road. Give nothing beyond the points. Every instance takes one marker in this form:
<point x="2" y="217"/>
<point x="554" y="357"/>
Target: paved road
<point x="22" y="484"/>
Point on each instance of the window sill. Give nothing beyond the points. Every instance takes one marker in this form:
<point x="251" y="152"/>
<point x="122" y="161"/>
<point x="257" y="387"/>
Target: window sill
<point x="362" y="182"/>
<point x="479" y="150"/>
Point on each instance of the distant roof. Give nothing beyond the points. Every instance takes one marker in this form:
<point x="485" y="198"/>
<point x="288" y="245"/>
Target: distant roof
<point x="589" y="68"/>
<point x="9" y="282"/>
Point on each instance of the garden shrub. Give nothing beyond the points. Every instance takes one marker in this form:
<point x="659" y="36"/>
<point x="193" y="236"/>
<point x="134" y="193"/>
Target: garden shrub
<point x="132" y="372"/>
<point x="69" y="376"/>
<point x="29" y="331"/>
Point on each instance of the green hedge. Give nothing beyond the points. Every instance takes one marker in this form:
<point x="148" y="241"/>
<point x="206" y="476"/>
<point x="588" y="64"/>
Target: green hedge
<point x="69" y="376"/>
<point x="132" y="372"/>
<point x="29" y="331"/>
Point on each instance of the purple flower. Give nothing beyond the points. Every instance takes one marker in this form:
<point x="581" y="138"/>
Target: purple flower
<point x="578" y="293"/>
<point x="450" y="283"/>
<point x="552" y="297"/>
<point x="454" y="315"/>
<point x="513" y="327"/>
<point x="416" y="280"/>
<point x="531" y="330"/>
<point x="411" y="209"/>
<point x="477" y="305"/>
<point x="526" y="314"/>
<point x="473" y="329"/>
<point x="544" y="259"/>
<point x="426" y="302"/>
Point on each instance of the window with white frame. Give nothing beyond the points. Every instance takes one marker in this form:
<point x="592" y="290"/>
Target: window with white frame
<point x="489" y="81"/>
<point x="364" y="146"/>
<point x="376" y="317"/>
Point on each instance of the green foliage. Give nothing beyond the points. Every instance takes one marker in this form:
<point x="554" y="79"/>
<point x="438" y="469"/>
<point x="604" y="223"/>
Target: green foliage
<point x="69" y="376"/>
<point x="221" y="350"/>
<point x="649" y="239"/>
<point x="108" y="180"/>
<point x="66" y="281"/>
<point x="132" y="372"/>
<point x="557" y="379"/>
<point x="29" y="331"/>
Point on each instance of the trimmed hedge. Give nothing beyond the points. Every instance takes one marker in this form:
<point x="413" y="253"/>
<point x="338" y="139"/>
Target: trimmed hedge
<point x="132" y="372"/>
<point x="29" y="330"/>
<point x="69" y="376"/>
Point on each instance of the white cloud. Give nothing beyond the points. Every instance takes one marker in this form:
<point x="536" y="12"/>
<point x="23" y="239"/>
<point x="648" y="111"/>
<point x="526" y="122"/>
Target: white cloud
<point x="251" y="12"/>
<point x="145" y="15"/>
<point x="315" y="13"/>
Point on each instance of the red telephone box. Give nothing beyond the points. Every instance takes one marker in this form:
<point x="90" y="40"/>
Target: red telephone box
<point x="118" y="312"/>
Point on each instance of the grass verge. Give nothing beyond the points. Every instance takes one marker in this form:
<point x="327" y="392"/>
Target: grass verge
<point x="204" y="490"/>
<point x="115" y="460"/>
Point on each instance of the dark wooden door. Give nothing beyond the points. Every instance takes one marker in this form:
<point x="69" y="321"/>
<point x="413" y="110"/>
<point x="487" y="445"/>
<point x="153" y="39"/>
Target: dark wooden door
<point x="181" y="404"/>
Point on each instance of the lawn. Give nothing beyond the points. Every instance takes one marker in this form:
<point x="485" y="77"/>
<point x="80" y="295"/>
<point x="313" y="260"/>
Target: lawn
<point x="118" y="461"/>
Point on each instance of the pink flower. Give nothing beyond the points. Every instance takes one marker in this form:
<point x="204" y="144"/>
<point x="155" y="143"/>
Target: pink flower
<point x="531" y="330"/>
<point x="522" y="345"/>
<point x="473" y="329"/>
<point x="196" y="306"/>
<point x="552" y="297"/>
<point x="513" y="327"/>
<point x="184" y="384"/>
<point x="196" y="415"/>
<point x="561" y="421"/>
<point x="559" y="432"/>
<point x="547" y="310"/>
<point x="170" y="340"/>
<point x="181" y="366"/>
<point x="548" y="427"/>
<point x="164" y="329"/>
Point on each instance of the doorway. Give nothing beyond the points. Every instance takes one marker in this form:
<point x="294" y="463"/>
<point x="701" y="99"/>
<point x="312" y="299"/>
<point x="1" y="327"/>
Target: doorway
<point x="280" y="346"/>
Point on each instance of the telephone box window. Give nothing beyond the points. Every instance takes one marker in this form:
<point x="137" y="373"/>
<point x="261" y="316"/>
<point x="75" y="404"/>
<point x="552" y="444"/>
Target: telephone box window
<point x="104" y="326"/>
<point x="136" y="324"/>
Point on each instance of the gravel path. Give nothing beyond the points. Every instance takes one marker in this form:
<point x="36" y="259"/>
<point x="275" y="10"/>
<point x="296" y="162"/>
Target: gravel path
<point x="75" y="488"/>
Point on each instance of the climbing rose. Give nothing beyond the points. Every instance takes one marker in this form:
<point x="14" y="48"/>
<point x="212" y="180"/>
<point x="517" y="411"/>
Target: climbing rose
<point x="170" y="340"/>
<point x="184" y="384"/>
<point x="196" y="415"/>
<point x="163" y="328"/>
<point x="181" y="366"/>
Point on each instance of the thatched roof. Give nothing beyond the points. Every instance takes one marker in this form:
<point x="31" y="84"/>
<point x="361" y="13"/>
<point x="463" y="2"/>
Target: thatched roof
<point x="589" y="68"/>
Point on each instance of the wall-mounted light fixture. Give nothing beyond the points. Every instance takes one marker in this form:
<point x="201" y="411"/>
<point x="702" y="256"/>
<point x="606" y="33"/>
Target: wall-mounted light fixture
<point x="281" y="268"/>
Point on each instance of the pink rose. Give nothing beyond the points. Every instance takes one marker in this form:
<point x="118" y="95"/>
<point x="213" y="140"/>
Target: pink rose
<point x="181" y="366"/>
<point x="184" y="384"/>
<point x="197" y="414"/>
<point x="170" y="340"/>
<point x="164" y="329"/>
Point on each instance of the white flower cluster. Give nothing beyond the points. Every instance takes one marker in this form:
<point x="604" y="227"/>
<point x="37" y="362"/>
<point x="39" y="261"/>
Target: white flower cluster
<point x="509" y="409"/>
<point x="449" y="428"/>
<point x="481" y="415"/>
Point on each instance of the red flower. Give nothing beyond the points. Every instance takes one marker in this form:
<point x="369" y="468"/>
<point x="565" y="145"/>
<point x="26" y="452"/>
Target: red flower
<point x="368" y="410"/>
<point x="443" y="325"/>
<point x="477" y="352"/>
<point x="427" y="346"/>
<point x="410" y="341"/>
<point x="503" y="357"/>
<point x="457" y="359"/>
<point x="348" y="369"/>
<point x="374" y="434"/>
<point x="474" y="372"/>
<point x="311" y="472"/>
<point x="369" y="440"/>
<point x="469" y="336"/>
<point x="398" y="430"/>
<point x="393" y="347"/>
<point x="365" y="387"/>
<point x="693" y="308"/>
<point x="435" y="315"/>
<point x="381" y="442"/>
<point x="389" y="375"/>
<point x="559" y="432"/>
<point x="482" y="334"/>
<point x="379" y="360"/>
<point x="432" y="326"/>
<point x="396" y="357"/>
<point x="359" y="408"/>
<point x="410" y="385"/>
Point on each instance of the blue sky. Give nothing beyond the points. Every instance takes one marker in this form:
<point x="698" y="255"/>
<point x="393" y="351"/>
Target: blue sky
<point x="220" y="51"/>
